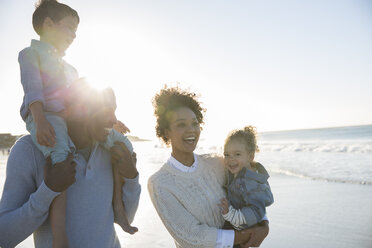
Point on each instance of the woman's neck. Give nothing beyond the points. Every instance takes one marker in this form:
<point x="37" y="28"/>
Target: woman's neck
<point x="187" y="159"/>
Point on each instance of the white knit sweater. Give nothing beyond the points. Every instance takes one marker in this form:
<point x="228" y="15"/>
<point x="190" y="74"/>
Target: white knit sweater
<point x="187" y="202"/>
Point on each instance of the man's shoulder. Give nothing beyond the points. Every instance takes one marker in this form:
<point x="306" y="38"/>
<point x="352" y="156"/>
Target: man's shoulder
<point x="24" y="147"/>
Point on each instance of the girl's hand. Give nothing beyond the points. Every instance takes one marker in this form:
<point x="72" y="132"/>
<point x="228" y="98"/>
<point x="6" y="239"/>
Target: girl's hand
<point x="224" y="205"/>
<point x="45" y="133"/>
<point x="121" y="127"/>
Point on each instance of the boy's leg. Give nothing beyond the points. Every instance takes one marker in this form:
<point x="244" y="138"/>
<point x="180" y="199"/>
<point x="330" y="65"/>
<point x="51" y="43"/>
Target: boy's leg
<point x="58" y="153"/>
<point x="120" y="216"/>
<point x="57" y="215"/>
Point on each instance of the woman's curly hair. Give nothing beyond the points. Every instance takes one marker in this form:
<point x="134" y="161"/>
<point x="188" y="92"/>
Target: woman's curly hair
<point x="168" y="100"/>
<point x="247" y="135"/>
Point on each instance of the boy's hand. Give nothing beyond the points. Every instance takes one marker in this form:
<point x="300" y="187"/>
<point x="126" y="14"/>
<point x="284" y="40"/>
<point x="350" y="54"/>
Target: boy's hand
<point x="121" y="127"/>
<point x="224" y="205"/>
<point x="45" y="133"/>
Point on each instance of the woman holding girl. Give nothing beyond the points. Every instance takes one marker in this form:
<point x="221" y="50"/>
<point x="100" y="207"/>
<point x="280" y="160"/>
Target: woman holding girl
<point x="187" y="189"/>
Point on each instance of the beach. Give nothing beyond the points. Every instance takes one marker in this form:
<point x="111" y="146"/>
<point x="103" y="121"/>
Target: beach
<point x="310" y="210"/>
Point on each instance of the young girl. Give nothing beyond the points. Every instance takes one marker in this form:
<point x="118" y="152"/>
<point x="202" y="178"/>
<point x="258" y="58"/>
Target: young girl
<point x="248" y="192"/>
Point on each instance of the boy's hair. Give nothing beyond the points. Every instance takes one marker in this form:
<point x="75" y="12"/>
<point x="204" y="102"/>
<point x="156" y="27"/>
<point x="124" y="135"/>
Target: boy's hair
<point x="52" y="9"/>
<point x="169" y="100"/>
<point x="247" y="136"/>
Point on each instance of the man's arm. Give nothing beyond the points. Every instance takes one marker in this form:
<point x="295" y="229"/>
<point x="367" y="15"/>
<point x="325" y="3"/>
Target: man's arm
<point x="131" y="196"/>
<point x="24" y="205"/>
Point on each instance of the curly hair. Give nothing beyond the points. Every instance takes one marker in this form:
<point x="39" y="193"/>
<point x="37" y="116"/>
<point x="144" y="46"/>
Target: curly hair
<point x="247" y="135"/>
<point x="169" y="100"/>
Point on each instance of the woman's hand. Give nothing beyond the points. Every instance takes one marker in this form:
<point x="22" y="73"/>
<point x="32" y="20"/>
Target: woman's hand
<point x="257" y="234"/>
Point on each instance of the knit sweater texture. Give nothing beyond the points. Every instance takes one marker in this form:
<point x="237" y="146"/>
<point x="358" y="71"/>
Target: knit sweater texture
<point x="187" y="203"/>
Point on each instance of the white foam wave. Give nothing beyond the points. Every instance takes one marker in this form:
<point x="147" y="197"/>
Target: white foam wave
<point x="330" y="147"/>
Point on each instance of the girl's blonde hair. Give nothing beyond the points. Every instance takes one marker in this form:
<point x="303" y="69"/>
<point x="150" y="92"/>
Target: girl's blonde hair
<point x="247" y="135"/>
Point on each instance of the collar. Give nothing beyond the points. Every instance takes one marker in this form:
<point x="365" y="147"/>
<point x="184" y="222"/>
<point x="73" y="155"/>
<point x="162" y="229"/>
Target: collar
<point x="179" y="166"/>
<point x="260" y="174"/>
<point x="45" y="47"/>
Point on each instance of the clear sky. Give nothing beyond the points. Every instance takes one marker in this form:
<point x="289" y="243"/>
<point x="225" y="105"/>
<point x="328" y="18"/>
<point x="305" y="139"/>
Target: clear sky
<point x="273" y="64"/>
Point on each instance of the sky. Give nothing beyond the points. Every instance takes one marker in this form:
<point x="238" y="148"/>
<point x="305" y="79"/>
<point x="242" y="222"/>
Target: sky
<point x="277" y="65"/>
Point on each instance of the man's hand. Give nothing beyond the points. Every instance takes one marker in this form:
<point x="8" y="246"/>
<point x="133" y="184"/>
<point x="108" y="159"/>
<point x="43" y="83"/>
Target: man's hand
<point x="224" y="205"/>
<point x="123" y="161"/>
<point x="121" y="127"/>
<point x="257" y="234"/>
<point x="45" y="133"/>
<point x="60" y="176"/>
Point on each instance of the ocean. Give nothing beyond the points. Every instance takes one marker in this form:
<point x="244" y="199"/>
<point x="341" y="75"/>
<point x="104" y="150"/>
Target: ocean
<point x="342" y="154"/>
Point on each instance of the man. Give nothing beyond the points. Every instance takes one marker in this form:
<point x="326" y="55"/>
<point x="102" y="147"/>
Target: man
<point x="32" y="184"/>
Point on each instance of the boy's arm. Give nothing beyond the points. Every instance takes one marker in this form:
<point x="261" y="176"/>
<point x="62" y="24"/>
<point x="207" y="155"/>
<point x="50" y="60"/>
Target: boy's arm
<point x="24" y="205"/>
<point x="30" y="77"/>
<point x="34" y="98"/>
<point x="44" y="130"/>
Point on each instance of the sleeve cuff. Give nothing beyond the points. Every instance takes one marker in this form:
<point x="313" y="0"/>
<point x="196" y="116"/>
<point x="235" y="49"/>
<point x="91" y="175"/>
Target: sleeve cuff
<point x="265" y="218"/>
<point x="225" y="238"/>
<point x="131" y="183"/>
<point x="32" y="97"/>
<point x="43" y="197"/>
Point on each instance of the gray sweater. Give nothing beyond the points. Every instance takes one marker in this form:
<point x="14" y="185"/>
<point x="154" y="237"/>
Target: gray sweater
<point x="24" y="206"/>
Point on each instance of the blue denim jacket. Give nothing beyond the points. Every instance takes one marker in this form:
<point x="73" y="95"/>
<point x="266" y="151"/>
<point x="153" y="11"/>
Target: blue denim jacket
<point x="45" y="77"/>
<point x="250" y="192"/>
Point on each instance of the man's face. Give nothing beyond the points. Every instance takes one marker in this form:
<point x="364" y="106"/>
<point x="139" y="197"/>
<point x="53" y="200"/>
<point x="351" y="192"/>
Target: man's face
<point x="101" y="122"/>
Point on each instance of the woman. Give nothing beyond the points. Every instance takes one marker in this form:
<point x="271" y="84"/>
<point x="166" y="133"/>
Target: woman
<point x="187" y="189"/>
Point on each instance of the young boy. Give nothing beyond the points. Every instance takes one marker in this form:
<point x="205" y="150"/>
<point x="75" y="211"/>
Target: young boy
<point x="46" y="79"/>
<point x="248" y="192"/>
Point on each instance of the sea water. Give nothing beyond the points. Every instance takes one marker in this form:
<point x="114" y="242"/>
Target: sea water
<point x="342" y="154"/>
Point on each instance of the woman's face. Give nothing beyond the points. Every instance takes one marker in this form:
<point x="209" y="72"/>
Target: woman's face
<point x="183" y="132"/>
